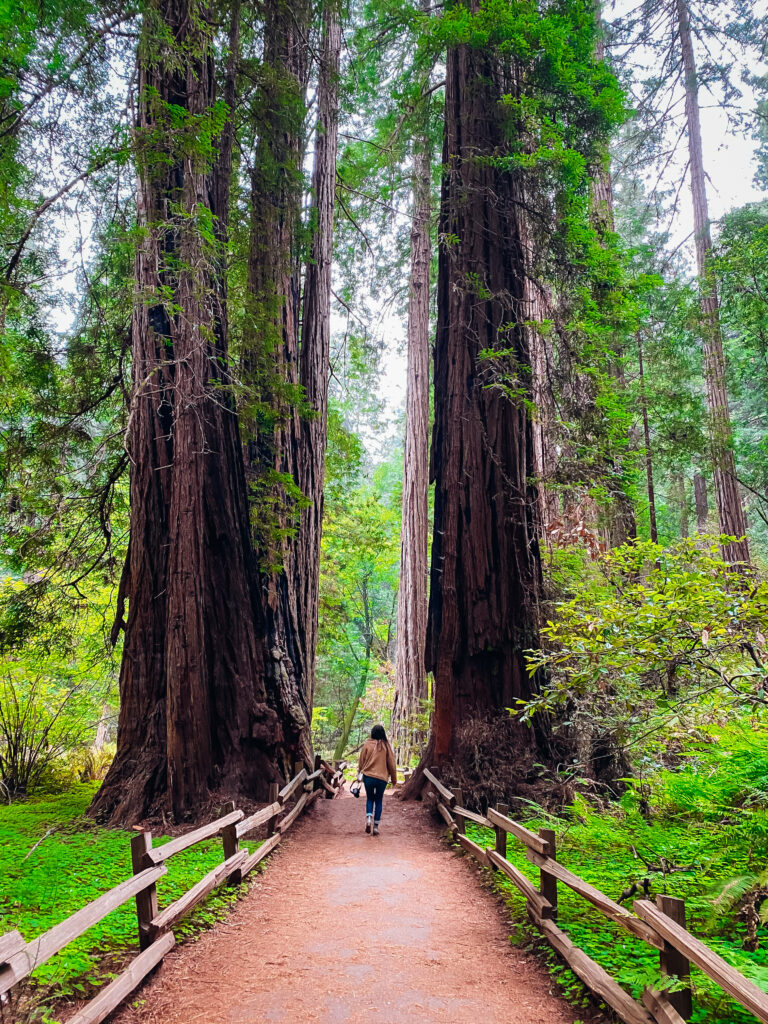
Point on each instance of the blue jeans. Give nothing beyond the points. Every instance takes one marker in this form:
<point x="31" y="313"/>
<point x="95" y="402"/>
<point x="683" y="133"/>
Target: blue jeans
<point x="374" y="791"/>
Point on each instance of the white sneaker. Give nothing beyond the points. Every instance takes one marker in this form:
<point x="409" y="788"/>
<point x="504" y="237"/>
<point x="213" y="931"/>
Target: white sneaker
<point x="368" y="823"/>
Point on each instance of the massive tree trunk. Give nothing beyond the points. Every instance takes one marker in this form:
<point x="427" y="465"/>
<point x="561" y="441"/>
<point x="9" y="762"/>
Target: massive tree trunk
<point x="729" y="507"/>
<point x="270" y="356"/>
<point x="194" y="714"/>
<point x="410" y="675"/>
<point x="485" y="571"/>
<point x="316" y="345"/>
<point x="286" y="357"/>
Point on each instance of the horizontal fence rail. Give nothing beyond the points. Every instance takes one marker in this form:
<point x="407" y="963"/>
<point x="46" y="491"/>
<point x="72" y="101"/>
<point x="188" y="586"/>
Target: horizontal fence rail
<point x="19" y="958"/>
<point x="660" y="924"/>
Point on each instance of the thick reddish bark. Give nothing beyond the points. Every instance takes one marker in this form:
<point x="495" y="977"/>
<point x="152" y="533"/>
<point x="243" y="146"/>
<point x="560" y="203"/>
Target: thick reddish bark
<point x="730" y="511"/>
<point x="194" y="714"/>
<point x="410" y="675"/>
<point x="286" y="355"/>
<point x="485" y="560"/>
<point x="316" y="344"/>
<point x="270" y="357"/>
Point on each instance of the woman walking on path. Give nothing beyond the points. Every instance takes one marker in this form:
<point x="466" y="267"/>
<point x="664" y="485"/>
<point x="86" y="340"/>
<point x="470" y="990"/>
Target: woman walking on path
<point x="377" y="763"/>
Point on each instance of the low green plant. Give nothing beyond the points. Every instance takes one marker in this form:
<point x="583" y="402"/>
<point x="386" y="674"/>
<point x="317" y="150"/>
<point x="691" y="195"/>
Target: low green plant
<point x="697" y="831"/>
<point x="54" y="860"/>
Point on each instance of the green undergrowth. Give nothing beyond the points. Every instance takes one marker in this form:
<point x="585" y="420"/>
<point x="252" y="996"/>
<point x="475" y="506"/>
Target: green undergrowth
<point x="710" y="816"/>
<point x="54" y="860"/>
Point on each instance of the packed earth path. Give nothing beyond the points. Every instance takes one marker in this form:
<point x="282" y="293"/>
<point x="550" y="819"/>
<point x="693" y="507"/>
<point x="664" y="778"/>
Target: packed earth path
<point x="346" y="928"/>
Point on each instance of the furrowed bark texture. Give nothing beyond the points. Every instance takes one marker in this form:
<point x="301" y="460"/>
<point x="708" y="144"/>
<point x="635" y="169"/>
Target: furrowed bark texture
<point x="316" y="342"/>
<point x="730" y="510"/>
<point x="485" y="570"/>
<point x="194" y="714"/>
<point x="270" y="359"/>
<point x="410" y="675"/>
<point x="290" y="349"/>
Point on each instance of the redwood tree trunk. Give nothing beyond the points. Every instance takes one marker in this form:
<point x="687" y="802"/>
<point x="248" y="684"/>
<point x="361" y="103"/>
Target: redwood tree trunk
<point x="287" y="356"/>
<point x="485" y="571"/>
<point x="729" y="507"/>
<point x="194" y="714"/>
<point x="270" y="358"/>
<point x="316" y="346"/>
<point x="410" y="675"/>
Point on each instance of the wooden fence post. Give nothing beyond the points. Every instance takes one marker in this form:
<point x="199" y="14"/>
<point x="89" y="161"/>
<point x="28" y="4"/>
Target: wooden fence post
<point x="274" y="789"/>
<point x="673" y="963"/>
<point x="297" y="767"/>
<point x="548" y="883"/>
<point x="230" y="842"/>
<point x="501" y="835"/>
<point x="461" y="823"/>
<point x="146" y="900"/>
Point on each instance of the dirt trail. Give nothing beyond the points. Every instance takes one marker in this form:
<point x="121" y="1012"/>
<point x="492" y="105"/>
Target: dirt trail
<point x="344" y="928"/>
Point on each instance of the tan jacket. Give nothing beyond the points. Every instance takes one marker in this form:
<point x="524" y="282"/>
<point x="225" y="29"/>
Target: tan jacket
<point x="377" y="759"/>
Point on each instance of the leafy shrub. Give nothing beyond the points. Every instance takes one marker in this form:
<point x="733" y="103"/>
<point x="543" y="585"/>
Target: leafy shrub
<point x="56" y="680"/>
<point x="42" y="718"/>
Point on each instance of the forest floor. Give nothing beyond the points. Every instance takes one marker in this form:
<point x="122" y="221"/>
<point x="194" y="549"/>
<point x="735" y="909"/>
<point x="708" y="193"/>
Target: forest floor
<point x="343" y="927"/>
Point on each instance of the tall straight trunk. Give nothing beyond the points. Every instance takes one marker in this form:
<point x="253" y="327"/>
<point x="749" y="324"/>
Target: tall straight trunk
<point x="543" y="427"/>
<point x="485" y="573"/>
<point x="194" y="713"/>
<point x="678" y="490"/>
<point x="622" y="525"/>
<point x="729" y="507"/>
<point x="410" y="675"/>
<point x="316" y="347"/>
<point x="270" y="357"/>
<point x="647" y="438"/>
<point x="289" y="352"/>
<point x="700" y="500"/>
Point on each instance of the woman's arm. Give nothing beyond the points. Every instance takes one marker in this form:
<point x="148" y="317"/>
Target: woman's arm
<point x="391" y="764"/>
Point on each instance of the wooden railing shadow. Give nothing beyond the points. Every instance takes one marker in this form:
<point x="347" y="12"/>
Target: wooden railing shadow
<point x="661" y="925"/>
<point x="18" y="959"/>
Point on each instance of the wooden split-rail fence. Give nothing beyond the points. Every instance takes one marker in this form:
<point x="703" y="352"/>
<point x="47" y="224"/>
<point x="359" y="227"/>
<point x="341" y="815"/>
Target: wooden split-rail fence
<point x="660" y="924"/>
<point x="19" y="958"/>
